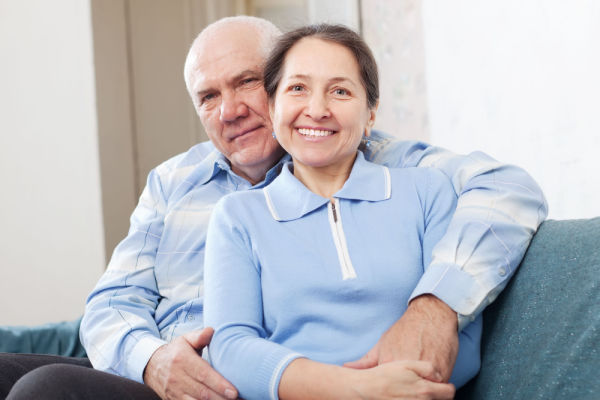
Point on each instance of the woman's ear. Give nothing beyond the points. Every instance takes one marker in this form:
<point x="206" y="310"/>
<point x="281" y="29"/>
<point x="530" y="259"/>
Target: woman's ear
<point x="271" y="109"/>
<point x="371" y="120"/>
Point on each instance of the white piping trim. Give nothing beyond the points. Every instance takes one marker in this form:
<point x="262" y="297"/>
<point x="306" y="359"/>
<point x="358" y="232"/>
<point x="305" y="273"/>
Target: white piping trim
<point x="339" y="239"/>
<point x="273" y="390"/>
<point x="270" y="205"/>
<point x="388" y="183"/>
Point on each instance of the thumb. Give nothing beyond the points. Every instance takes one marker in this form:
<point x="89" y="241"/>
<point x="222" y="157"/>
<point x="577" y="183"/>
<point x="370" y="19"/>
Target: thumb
<point x="424" y="369"/>
<point x="199" y="338"/>
<point x="369" y="360"/>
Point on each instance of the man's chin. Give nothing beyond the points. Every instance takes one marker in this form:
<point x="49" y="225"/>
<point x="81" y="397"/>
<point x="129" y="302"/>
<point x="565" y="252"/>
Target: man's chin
<point x="258" y="155"/>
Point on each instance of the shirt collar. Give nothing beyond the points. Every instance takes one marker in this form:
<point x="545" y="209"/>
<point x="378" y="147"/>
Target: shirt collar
<point x="288" y="198"/>
<point x="210" y="166"/>
<point x="216" y="162"/>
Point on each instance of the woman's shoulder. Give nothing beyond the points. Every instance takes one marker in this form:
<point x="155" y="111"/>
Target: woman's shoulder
<point x="420" y="175"/>
<point x="241" y="200"/>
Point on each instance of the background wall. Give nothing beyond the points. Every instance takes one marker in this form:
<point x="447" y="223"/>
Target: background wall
<point x="52" y="240"/>
<point x="92" y="97"/>
<point x="519" y="80"/>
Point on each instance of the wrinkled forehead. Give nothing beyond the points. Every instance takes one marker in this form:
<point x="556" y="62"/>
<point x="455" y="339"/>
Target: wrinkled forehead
<point x="223" y="52"/>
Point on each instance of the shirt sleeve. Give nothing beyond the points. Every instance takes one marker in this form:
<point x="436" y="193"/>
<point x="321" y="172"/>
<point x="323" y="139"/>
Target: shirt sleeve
<point x="499" y="209"/>
<point x="233" y="307"/>
<point x="118" y="329"/>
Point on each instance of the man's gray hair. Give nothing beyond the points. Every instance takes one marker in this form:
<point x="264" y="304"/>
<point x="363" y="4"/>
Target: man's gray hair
<point x="267" y="30"/>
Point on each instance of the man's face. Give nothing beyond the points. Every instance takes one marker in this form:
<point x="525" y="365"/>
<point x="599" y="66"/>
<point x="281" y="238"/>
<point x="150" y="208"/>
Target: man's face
<point x="227" y="91"/>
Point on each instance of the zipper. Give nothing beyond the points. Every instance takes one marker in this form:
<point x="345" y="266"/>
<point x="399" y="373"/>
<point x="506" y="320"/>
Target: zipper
<point x="339" y="239"/>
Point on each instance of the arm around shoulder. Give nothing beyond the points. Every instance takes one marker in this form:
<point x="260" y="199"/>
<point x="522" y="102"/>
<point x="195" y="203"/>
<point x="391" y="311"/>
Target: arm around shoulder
<point x="498" y="211"/>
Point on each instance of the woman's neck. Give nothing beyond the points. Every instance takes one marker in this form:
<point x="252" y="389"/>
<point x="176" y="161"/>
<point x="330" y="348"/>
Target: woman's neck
<point x="324" y="181"/>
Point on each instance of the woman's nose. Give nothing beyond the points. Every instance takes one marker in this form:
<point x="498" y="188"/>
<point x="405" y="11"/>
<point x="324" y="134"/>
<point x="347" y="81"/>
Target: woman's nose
<point x="317" y="107"/>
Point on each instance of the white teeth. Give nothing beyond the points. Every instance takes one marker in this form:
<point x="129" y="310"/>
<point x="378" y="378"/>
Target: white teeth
<point x="314" y="132"/>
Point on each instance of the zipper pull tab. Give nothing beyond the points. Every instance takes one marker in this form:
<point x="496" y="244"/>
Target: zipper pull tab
<point x="333" y="211"/>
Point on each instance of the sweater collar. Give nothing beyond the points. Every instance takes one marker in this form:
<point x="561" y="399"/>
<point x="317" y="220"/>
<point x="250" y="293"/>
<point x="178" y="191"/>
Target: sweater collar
<point x="288" y="198"/>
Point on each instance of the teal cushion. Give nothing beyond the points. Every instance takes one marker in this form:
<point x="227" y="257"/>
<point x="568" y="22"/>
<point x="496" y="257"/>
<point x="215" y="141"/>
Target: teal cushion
<point x="60" y="338"/>
<point x="541" y="337"/>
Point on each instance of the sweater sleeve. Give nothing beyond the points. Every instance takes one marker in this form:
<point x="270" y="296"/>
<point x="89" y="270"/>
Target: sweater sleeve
<point x="233" y="307"/>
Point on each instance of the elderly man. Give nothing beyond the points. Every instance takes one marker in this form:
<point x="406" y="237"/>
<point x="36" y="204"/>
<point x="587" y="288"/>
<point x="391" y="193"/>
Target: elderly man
<point x="143" y="321"/>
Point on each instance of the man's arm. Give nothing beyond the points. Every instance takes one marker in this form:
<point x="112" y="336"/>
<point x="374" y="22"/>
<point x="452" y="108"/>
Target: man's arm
<point x="499" y="209"/>
<point x="119" y="330"/>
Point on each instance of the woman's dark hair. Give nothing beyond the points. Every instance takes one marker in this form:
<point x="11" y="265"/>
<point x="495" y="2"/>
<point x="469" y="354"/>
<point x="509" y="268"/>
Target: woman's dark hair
<point x="334" y="33"/>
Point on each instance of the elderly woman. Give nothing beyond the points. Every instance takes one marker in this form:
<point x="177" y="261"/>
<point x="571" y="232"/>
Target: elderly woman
<point x="308" y="273"/>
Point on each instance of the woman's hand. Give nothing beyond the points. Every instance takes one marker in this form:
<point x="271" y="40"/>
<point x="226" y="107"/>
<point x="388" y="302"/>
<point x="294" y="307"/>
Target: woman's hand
<point x="401" y="380"/>
<point x="305" y="379"/>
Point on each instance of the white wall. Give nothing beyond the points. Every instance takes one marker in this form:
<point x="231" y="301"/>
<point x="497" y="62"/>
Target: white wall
<point x="395" y="35"/>
<point x="51" y="240"/>
<point x="520" y="80"/>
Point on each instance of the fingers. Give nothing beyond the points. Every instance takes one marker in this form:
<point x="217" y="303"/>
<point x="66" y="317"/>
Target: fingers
<point x="436" y="391"/>
<point x="199" y="338"/>
<point x="424" y="369"/>
<point x="369" y="360"/>
<point x="214" y="382"/>
<point x="192" y="389"/>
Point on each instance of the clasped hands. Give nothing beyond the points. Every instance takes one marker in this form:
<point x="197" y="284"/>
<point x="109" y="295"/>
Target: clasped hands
<point x="426" y="334"/>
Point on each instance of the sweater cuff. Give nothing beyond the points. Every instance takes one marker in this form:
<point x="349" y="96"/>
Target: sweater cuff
<point x="271" y="370"/>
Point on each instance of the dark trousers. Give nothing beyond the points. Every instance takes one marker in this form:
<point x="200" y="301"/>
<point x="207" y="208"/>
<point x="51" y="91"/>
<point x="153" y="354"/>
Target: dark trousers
<point x="36" y="376"/>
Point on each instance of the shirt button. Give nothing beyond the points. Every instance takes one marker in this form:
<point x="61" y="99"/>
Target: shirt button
<point x="502" y="271"/>
<point x="190" y="317"/>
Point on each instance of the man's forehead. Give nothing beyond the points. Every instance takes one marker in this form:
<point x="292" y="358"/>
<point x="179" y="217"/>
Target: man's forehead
<point x="223" y="54"/>
<point x="213" y="74"/>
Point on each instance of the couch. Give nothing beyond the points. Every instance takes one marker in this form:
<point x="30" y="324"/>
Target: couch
<point x="541" y="337"/>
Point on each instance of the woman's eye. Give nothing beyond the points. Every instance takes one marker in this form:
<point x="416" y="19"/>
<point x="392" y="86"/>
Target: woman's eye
<point x="341" y="92"/>
<point x="296" y="88"/>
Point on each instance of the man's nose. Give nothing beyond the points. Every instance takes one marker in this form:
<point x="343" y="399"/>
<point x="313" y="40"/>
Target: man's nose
<point x="232" y="107"/>
<point x="317" y="107"/>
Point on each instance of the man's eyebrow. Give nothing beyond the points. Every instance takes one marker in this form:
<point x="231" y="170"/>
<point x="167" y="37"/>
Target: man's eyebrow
<point x="202" y="93"/>
<point x="245" y="74"/>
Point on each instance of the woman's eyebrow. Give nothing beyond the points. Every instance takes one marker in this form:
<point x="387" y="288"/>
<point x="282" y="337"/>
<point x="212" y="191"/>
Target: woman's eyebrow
<point x="335" y="79"/>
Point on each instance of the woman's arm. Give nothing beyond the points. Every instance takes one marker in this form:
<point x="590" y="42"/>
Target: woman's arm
<point x="261" y="369"/>
<point x="304" y="379"/>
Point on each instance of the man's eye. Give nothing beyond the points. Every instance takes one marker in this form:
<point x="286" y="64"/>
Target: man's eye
<point x="207" y="97"/>
<point x="250" y="83"/>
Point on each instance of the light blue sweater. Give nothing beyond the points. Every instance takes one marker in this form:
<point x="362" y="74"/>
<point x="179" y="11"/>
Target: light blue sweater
<point x="288" y="274"/>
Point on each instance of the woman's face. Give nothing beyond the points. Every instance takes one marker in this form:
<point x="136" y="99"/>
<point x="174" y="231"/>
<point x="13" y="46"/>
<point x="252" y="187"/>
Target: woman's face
<point x="320" y="108"/>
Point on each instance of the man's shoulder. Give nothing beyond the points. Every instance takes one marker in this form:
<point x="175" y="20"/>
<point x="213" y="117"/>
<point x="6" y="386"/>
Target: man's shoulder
<point x="391" y="151"/>
<point x="190" y="158"/>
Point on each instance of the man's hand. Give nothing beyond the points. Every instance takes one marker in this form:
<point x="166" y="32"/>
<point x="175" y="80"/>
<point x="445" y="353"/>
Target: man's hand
<point x="177" y="371"/>
<point x="427" y="331"/>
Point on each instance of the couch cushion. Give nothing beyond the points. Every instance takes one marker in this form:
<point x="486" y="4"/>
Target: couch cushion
<point x="59" y="338"/>
<point x="541" y="338"/>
